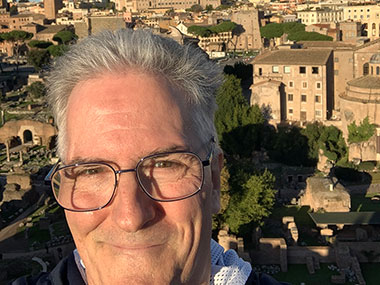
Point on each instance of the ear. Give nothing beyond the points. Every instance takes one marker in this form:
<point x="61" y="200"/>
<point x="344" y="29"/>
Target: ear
<point x="216" y="168"/>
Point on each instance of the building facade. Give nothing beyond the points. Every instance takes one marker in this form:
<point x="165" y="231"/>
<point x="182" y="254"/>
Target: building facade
<point x="304" y="89"/>
<point x="320" y="16"/>
<point x="249" y="38"/>
<point x="51" y="8"/>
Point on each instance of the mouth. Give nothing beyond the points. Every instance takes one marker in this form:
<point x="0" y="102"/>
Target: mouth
<point x="135" y="247"/>
<point x="131" y="248"/>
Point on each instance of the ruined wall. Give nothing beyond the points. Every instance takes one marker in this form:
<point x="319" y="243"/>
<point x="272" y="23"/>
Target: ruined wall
<point x="321" y="193"/>
<point x="41" y="132"/>
<point x="298" y="254"/>
<point x="20" y="179"/>
<point x="365" y="151"/>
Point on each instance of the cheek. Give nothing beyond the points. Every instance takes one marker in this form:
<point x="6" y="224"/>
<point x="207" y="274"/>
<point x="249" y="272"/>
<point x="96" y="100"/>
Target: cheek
<point x="82" y="224"/>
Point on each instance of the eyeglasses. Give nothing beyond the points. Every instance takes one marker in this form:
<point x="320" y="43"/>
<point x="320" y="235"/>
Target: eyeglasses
<point x="164" y="177"/>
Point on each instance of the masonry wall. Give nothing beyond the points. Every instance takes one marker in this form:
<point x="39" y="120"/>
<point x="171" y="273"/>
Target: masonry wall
<point x="298" y="254"/>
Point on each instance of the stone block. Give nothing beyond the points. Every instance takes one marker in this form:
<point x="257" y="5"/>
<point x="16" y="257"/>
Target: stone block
<point x="327" y="232"/>
<point x="21" y="179"/>
<point x="287" y="219"/>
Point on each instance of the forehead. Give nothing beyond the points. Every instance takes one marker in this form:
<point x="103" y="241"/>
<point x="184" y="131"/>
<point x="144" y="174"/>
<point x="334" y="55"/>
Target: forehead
<point x="139" y="111"/>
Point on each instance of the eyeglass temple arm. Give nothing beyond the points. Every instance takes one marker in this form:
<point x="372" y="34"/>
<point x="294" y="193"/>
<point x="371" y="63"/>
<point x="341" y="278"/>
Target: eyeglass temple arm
<point x="207" y="162"/>
<point x="47" y="178"/>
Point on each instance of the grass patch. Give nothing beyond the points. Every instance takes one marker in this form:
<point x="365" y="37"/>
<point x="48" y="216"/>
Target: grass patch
<point x="375" y="177"/>
<point x="273" y="225"/>
<point x="371" y="272"/>
<point x="360" y="203"/>
<point x="298" y="273"/>
<point x="54" y="209"/>
<point x="300" y="214"/>
<point x="60" y="228"/>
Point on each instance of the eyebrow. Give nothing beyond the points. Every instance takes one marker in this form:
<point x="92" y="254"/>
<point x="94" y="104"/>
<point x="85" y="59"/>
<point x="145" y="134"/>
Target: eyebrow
<point x="79" y="159"/>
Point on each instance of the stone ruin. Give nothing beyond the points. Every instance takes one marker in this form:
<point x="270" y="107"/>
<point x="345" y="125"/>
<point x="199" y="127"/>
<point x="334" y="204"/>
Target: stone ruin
<point x="364" y="151"/>
<point x="229" y="241"/>
<point x="30" y="132"/>
<point x="326" y="194"/>
<point x="290" y="229"/>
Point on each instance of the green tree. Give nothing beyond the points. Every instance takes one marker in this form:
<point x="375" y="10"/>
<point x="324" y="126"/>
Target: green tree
<point x="209" y="8"/>
<point x="64" y="37"/>
<point x="363" y="132"/>
<point x="38" y="58"/>
<point x="13" y="10"/>
<point x="200" y="31"/>
<point x="295" y="31"/>
<point x="203" y="31"/>
<point x="223" y="27"/>
<point x="237" y="123"/>
<point x="253" y="203"/>
<point x="333" y="145"/>
<point x="196" y="8"/>
<point x="313" y="133"/>
<point x="58" y="50"/>
<point x="39" y="44"/>
<point x="289" y="146"/>
<point x="36" y="90"/>
<point x="308" y="36"/>
<point x="17" y="39"/>
<point x="273" y="30"/>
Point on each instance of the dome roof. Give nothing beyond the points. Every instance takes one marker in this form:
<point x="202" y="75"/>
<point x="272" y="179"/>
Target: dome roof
<point x="366" y="82"/>
<point x="375" y="58"/>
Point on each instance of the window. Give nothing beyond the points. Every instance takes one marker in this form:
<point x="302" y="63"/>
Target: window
<point x="314" y="70"/>
<point x="302" y="69"/>
<point x="318" y="85"/>
<point x="318" y="99"/>
<point x="260" y="71"/>
<point x="318" y="113"/>
<point x="303" y="115"/>
<point x="290" y="111"/>
<point x="275" y="69"/>
<point x="377" y="70"/>
<point x="291" y="84"/>
<point x="290" y="97"/>
<point x="303" y="98"/>
<point x="286" y="69"/>
<point x="304" y="84"/>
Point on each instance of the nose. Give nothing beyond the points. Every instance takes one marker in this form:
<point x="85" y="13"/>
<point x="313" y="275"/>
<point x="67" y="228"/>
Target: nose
<point x="132" y="209"/>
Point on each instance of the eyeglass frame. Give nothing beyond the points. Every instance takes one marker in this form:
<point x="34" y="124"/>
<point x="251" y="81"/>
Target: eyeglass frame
<point x="204" y="163"/>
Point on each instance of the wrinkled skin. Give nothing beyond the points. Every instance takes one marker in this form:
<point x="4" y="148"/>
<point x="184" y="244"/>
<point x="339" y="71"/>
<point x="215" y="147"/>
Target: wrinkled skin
<point x="135" y="240"/>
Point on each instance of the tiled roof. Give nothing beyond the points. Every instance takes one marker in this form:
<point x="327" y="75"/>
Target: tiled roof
<point x="295" y="57"/>
<point x="368" y="81"/>
<point x="325" y="44"/>
<point x="52" y="29"/>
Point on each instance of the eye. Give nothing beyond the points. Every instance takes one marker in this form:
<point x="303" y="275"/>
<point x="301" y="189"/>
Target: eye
<point x="163" y="164"/>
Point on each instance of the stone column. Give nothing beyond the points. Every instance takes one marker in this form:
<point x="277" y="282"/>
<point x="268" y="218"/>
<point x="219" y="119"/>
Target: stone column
<point x="21" y="160"/>
<point x="7" y="149"/>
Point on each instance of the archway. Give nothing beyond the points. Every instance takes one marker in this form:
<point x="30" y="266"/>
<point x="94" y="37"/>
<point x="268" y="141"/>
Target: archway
<point x="27" y="136"/>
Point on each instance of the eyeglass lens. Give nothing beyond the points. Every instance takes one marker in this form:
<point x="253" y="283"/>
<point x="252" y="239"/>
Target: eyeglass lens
<point x="162" y="176"/>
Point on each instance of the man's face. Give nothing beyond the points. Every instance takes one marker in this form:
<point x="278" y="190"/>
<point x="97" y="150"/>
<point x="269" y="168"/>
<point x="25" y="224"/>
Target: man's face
<point x="135" y="240"/>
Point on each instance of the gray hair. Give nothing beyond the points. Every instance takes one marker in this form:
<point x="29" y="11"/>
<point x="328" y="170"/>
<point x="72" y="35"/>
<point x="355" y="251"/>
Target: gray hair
<point x="183" y="66"/>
